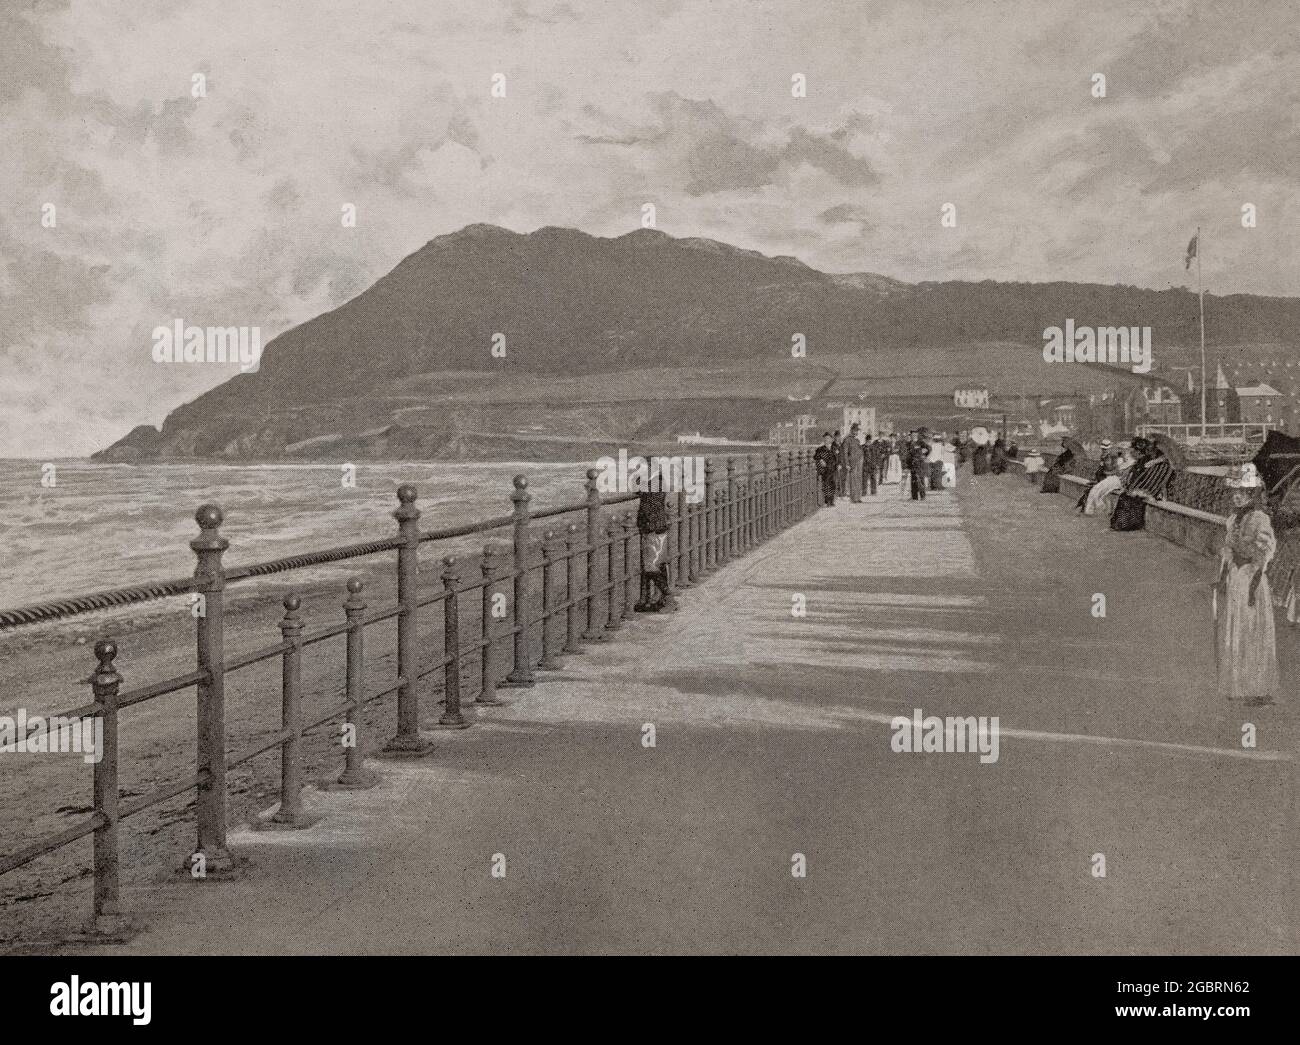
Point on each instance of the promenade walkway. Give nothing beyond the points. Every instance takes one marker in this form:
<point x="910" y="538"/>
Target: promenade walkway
<point x="772" y="738"/>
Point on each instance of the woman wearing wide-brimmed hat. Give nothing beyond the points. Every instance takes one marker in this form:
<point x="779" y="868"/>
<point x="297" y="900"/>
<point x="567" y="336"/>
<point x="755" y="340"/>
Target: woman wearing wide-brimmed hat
<point x="1245" y="644"/>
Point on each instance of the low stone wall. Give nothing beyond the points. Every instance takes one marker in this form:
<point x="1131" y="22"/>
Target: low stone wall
<point x="1190" y="527"/>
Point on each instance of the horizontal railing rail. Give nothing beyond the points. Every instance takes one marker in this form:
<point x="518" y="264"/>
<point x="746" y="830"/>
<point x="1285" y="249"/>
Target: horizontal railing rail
<point x="587" y="574"/>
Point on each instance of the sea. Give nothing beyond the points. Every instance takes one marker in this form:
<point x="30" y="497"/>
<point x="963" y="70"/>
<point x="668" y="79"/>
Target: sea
<point x="68" y="527"/>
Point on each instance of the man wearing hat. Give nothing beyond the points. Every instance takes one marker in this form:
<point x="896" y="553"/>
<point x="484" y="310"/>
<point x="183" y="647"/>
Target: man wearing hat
<point x="853" y="463"/>
<point x="918" y="453"/>
<point x="1245" y="643"/>
<point x="871" y="464"/>
<point x="826" y="458"/>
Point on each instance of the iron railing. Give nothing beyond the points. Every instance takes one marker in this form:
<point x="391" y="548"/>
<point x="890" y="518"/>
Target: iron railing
<point x="586" y="573"/>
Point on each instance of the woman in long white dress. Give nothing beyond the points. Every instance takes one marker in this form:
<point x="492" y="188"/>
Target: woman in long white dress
<point x="894" y="467"/>
<point x="943" y="453"/>
<point x="1111" y="484"/>
<point x="1245" y="643"/>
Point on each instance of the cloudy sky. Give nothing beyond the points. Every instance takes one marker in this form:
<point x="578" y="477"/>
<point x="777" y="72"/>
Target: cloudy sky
<point x="225" y="209"/>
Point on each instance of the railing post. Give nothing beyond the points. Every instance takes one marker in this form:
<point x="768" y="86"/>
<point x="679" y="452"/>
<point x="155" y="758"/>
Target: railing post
<point x="749" y="501"/>
<point x="811" y="485"/>
<point x="104" y="683"/>
<point x="552" y="555"/>
<point x="573" y="585"/>
<point x="783" y="484"/>
<point x="778" y="491"/>
<point x="775" y="494"/>
<point x="291" y="813"/>
<point x="594" y="631"/>
<point x="682" y="524"/>
<point x="407" y="740"/>
<point x="674" y="505"/>
<point x="629" y="574"/>
<point x="451" y="717"/>
<point x="355" y="776"/>
<point x="211" y="857"/>
<point x="730" y="513"/>
<point x="793" y="510"/>
<point x="615" y="569"/>
<point x="768" y="490"/>
<point x="487" y="689"/>
<point x="709" y="530"/>
<point x="522" y="673"/>
<point x="694" y="548"/>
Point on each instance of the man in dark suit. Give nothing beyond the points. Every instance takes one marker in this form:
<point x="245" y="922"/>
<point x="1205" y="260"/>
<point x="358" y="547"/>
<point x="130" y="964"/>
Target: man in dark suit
<point x="853" y="456"/>
<point x="837" y="444"/>
<point x="827" y="460"/>
<point x="918" y="453"/>
<point x="870" y="464"/>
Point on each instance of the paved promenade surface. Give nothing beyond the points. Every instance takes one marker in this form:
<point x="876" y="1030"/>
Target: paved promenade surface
<point x="773" y="739"/>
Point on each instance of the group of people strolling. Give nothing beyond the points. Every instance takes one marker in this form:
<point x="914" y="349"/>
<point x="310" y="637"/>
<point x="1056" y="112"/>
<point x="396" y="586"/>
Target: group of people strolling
<point x="851" y="464"/>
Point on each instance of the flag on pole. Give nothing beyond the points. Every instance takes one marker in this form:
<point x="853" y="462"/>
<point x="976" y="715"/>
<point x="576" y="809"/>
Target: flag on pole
<point x="1191" y="252"/>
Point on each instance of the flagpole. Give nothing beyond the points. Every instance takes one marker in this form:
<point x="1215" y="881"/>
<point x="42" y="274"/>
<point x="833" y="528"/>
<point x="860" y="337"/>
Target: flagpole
<point x="1201" y="295"/>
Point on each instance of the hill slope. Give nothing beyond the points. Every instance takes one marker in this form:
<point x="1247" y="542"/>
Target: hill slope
<point x="573" y="307"/>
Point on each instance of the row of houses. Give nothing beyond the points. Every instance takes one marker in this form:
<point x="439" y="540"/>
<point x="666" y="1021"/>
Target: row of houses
<point x="831" y="416"/>
<point x="1114" y="409"/>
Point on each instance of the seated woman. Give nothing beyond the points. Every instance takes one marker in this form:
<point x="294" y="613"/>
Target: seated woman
<point x="1104" y="468"/>
<point x="1146" y="481"/>
<point x="1052" y="477"/>
<point x="1113" y="471"/>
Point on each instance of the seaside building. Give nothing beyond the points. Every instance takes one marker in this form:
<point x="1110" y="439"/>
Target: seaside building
<point x="1164" y="406"/>
<point x="1256" y="404"/>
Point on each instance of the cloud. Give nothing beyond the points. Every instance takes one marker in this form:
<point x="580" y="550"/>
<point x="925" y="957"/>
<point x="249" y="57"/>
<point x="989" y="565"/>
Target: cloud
<point x="226" y="208"/>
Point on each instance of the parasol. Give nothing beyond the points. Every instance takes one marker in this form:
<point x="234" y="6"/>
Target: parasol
<point x="1073" y="446"/>
<point x="1177" y="456"/>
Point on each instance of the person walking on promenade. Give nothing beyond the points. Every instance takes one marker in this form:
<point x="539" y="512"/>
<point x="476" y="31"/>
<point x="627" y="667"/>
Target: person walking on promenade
<point x="980" y="459"/>
<point x="870" y="464"/>
<point x="998" y="459"/>
<point x="1245" y="642"/>
<point x="853" y="463"/>
<point x="826" y="459"/>
<point x="905" y="459"/>
<point x="893" y="463"/>
<point x="652" y="524"/>
<point x="837" y="444"/>
<point x="936" y="463"/>
<point x="882" y="458"/>
<point x="919" y="465"/>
